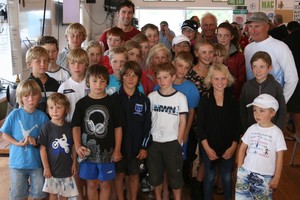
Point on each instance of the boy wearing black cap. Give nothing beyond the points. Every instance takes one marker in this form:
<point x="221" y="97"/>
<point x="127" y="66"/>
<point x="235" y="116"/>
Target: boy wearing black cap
<point x="189" y="28"/>
<point x="260" y="156"/>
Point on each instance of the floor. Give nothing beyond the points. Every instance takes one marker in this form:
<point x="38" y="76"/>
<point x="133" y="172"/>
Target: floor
<point x="287" y="190"/>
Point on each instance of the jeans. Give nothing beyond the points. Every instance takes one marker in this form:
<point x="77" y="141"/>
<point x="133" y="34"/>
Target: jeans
<point x="225" y="167"/>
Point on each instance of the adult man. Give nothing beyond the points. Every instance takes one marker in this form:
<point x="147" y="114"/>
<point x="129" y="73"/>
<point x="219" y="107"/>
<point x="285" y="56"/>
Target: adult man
<point x="209" y="26"/>
<point x="125" y="11"/>
<point x="279" y="31"/>
<point x="165" y="34"/>
<point x="283" y="65"/>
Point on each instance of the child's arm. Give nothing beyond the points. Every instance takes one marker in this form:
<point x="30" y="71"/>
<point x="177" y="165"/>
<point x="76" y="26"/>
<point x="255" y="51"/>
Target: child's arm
<point x="81" y="150"/>
<point x="209" y="151"/>
<point x="182" y="126"/>
<point x="190" y="119"/>
<point x="241" y="154"/>
<point x="12" y="141"/>
<point x="44" y="157"/>
<point x="74" y="165"/>
<point x="230" y="151"/>
<point x="278" y="169"/>
<point x="117" y="156"/>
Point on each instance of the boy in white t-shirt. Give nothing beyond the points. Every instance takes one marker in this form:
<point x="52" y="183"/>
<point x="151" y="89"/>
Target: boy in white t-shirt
<point x="260" y="157"/>
<point x="169" y="110"/>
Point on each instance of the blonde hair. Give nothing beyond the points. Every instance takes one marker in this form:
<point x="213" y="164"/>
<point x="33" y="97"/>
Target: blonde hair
<point x="35" y="52"/>
<point x="77" y="27"/>
<point x="165" y="67"/>
<point x="131" y="44"/>
<point x="221" y="68"/>
<point x="93" y="44"/>
<point x="202" y="42"/>
<point x="140" y="38"/>
<point x="78" y="56"/>
<point x="156" y="48"/>
<point x="117" y="50"/>
<point x="59" y="99"/>
<point x="184" y="56"/>
<point x="26" y="87"/>
<point x="220" y="50"/>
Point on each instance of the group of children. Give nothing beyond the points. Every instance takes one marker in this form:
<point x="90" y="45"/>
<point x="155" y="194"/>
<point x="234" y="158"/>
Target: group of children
<point x="100" y="113"/>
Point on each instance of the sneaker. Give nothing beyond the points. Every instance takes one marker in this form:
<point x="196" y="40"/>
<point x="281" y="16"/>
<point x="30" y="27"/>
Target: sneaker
<point x="145" y="187"/>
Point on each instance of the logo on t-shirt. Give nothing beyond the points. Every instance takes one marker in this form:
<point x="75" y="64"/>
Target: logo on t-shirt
<point x="138" y="108"/>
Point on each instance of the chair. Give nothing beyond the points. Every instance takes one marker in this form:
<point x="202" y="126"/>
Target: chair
<point x="11" y="97"/>
<point x="297" y="141"/>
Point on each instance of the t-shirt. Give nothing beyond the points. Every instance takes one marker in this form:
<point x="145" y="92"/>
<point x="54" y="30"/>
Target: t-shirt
<point x="97" y="119"/>
<point x="165" y="115"/>
<point x="60" y="75"/>
<point x="58" y="141"/>
<point x="19" y="124"/>
<point x="74" y="91"/>
<point x="263" y="143"/>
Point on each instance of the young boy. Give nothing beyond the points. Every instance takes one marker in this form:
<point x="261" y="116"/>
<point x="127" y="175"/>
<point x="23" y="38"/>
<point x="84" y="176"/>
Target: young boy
<point x="117" y="58"/>
<point x="136" y="133"/>
<point x="75" y="35"/>
<point x="21" y="129"/>
<point x="55" y="71"/>
<point x="260" y="156"/>
<point x="115" y="38"/>
<point x="37" y="60"/>
<point x="220" y="54"/>
<point x="168" y="113"/>
<point x="57" y="153"/>
<point x="75" y="87"/>
<point x="97" y="128"/>
<point x="263" y="82"/>
<point x="95" y="52"/>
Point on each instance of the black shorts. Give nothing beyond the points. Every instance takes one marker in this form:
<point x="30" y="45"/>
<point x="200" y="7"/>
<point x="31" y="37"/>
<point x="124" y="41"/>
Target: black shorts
<point x="130" y="166"/>
<point x="167" y="157"/>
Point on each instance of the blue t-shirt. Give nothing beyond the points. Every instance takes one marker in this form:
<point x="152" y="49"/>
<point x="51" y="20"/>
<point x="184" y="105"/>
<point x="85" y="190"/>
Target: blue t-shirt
<point x="18" y="124"/>
<point x="189" y="90"/>
<point x="114" y="85"/>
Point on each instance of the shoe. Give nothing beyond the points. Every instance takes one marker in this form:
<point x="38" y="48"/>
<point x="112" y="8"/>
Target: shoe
<point x="145" y="186"/>
<point x="151" y="195"/>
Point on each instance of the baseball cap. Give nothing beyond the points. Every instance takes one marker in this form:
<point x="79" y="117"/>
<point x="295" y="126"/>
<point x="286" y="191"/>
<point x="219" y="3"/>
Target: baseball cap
<point x="180" y="38"/>
<point x="258" y="17"/>
<point x="190" y="24"/>
<point x="265" y="101"/>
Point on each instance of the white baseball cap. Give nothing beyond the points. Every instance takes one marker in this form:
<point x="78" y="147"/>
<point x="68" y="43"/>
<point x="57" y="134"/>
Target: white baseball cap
<point x="180" y="38"/>
<point x="265" y="101"/>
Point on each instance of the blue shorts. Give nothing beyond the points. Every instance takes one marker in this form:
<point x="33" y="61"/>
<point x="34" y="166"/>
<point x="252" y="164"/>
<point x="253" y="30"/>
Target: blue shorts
<point x="19" y="185"/>
<point x="94" y="171"/>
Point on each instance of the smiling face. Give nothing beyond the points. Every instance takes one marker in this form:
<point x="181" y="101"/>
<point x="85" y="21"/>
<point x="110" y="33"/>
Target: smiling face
<point x="205" y="54"/>
<point x="56" y="111"/>
<point x="152" y="36"/>
<point x="260" y="70"/>
<point x="130" y="80"/>
<point x="258" y="31"/>
<point x="208" y="26"/>
<point x="125" y="16"/>
<point x="219" y="81"/>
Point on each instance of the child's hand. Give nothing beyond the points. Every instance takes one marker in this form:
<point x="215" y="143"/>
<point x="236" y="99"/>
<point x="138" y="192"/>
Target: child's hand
<point x="116" y="156"/>
<point x="47" y="173"/>
<point x="211" y="154"/>
<point x="81" y="151"/>
<point x="274" y="183"/>
<point x="32" y="141"/>
<point x="228" y="153"/>
<point x="74" y="168"/>
<point x="142" y="154"/>
<point x="23" y="142"/>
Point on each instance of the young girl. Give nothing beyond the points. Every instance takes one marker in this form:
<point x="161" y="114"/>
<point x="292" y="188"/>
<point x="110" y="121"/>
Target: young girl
<point x="219" y="128"/>
<point x="158" y="54"/>
<point x="95" y="52"/>
<point x="57" y="150"/>
<point x="136" y="133"/>
<point x="228" y="36"/>
<point x="144" y="43"/>
<point x="133" y="50"/>
<point x="21" y="129"/>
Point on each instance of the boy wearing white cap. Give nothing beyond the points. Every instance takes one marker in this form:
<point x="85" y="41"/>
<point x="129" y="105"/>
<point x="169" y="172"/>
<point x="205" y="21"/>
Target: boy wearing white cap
<point x="180" y="43"/>
<point x="260" y="156"/>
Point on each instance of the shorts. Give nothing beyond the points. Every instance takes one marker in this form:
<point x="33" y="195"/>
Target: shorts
<point x="19" y="184"/>
<point x="94" y="171"/>
<point x="167" y="157"/>
<point x="250" y="185"/>
<point x="65" y="187"/>
<point x="131" y="166"/>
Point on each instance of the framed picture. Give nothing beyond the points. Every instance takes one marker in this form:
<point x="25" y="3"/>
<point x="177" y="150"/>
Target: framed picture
<point x="219" y="0"/>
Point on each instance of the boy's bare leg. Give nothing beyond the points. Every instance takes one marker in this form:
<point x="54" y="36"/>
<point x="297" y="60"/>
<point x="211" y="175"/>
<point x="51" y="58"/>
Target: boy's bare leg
<point x="81" y="184"/>
<point x="158" y="190"/>
<point x="165" y="187"/>
<point x="177" y="194"/>
<point x="119" y="186"/>
<point x="133" y="186"/>
<point x="92" y="189"/>
<point x="105" y="187"/>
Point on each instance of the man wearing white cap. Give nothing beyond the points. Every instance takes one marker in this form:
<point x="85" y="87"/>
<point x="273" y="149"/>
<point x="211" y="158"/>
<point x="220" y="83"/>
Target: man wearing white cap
<point x="260" y="156"/>
<point x="283" y="65"/>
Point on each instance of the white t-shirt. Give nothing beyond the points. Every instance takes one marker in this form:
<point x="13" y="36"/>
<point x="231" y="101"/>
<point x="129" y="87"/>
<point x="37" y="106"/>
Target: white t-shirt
<point x="263" y="143"/>
<point x="74" y="91"/>
<point x="61" y="75"/>
<point x="165" y="111"/>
